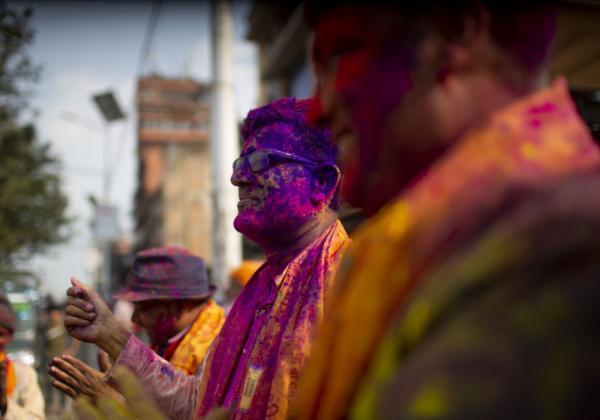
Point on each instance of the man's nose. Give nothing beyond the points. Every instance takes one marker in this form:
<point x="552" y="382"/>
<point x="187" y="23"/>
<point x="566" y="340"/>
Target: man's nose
<point x="240" y="175"/>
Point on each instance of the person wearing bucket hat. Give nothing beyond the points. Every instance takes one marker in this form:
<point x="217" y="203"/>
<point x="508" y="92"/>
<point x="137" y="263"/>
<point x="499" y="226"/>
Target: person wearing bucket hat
<point x="20" y="394"/>
<point x="171" y="294"/>
<point x="167" y="273"/>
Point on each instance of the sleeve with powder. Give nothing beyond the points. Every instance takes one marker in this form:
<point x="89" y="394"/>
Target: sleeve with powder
<point x="173" y="391"/>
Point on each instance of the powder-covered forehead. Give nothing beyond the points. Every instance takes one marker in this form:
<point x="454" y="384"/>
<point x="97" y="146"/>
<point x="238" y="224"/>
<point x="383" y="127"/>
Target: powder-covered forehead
<point x="282" y="124"/>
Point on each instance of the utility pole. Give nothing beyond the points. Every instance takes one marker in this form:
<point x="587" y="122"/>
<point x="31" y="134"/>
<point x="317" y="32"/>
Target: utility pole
<point x="106" y="217"/>
<point x="227" y="243"/>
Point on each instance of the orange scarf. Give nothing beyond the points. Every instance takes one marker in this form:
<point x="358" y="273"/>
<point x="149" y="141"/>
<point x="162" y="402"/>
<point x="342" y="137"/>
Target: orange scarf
<point x="192" y="349"/>
<point x="11" y="376"/>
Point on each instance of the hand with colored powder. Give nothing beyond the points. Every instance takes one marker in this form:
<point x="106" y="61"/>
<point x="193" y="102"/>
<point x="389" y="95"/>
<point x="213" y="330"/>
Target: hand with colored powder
<point x="75" y="378"/>
<point x="88" y="318"/>
<point x="136" y="405"/>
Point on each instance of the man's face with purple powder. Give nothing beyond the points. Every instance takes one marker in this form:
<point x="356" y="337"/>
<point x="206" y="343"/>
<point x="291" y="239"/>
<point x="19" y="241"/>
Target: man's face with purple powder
<point x="276" y="201"/>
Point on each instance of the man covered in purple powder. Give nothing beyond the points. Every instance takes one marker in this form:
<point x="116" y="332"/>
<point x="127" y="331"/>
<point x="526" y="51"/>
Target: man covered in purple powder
<point x="288" y="182"/>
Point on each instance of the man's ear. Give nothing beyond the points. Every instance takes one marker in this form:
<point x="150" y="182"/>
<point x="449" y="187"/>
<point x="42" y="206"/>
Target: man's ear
<point x="325" y="184"/>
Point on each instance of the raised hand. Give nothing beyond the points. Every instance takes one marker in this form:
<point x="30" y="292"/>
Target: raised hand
<point x="88" y="318"/>
<point x="74" y="378"/>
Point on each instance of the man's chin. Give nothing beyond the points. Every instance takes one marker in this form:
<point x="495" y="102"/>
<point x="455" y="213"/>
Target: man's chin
<point x="246" y="224"/>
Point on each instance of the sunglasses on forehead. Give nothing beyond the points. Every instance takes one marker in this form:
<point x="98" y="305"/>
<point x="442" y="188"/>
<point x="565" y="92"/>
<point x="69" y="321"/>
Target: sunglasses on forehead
<point x="262" y="159"/>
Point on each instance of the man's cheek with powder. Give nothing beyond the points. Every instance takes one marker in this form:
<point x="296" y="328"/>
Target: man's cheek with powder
<point x="282" y="203"/>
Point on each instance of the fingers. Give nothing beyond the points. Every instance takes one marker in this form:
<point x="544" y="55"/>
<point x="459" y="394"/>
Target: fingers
<point x="83" y="293"/>
<point x="66" y="366"/>
<point x="82" y="304"/>
<point x="77" y="284"/>
<point x="73" y="322"/>
<point x="65" y="376"/>
<point x="65" y="388"/>
<point x="75" y="363"/>
<point x="77" y="292"/>
<point x="77" y="312"/>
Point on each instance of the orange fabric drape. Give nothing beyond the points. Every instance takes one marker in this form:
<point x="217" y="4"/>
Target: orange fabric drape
<point x="11" y="376"/>
<point x="190" y="353"/>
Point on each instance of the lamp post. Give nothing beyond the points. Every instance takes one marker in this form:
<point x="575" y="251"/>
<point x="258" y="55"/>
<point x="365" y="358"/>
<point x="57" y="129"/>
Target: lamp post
<point x="111" y="111"/>
<point x="105" y="219"/>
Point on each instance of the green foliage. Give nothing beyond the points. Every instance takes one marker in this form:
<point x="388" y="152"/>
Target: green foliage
<point x="32" y="204"/>
<point x="32" y="210"/>
<point x="17" y="72"/>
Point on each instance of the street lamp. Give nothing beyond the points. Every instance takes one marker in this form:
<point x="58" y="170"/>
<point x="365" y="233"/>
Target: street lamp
<point x="111" y="111"/>
<point x="105" y="223"/>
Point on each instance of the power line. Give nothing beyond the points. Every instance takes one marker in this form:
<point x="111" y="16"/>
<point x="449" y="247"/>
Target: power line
<point x="142" y="60"/>
<point x="149" y="36"/>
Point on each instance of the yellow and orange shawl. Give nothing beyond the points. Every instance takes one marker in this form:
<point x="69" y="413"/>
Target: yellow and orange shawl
<point x="530" y="143"/>
<point x="195" y="344"/>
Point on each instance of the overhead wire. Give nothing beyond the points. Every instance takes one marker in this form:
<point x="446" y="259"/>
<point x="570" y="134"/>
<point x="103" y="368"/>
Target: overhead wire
<point x="145" y="49"/>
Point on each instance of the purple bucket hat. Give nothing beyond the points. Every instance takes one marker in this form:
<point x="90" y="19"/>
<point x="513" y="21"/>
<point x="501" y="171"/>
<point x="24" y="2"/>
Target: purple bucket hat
<point x="166" y="273"/>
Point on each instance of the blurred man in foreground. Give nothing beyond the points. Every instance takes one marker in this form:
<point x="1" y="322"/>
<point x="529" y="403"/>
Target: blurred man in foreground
<point x="20" y="394"/>
<point x="288" y="181"/>
<point x="171" y="294"/>
<point x="472" y="292"/>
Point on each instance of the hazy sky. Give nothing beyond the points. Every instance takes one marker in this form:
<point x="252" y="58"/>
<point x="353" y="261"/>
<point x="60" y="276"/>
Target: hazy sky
<point x="89" y="47"/>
